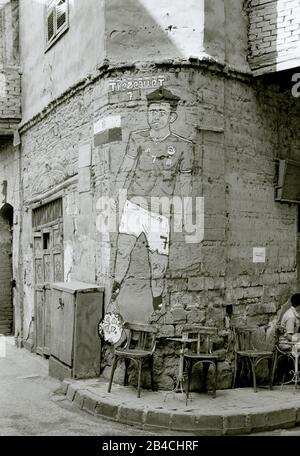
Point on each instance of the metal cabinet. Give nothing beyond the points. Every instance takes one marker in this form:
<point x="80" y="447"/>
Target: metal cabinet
<point x="76" y="309"/>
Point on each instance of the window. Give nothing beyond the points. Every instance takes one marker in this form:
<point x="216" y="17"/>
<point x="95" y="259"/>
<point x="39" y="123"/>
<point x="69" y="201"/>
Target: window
<point x="57" y="20"/>
<point x="47" y="213"/>
<point x="46" y="241"/>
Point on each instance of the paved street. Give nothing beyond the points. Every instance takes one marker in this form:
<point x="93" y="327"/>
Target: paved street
<point x="31" y="403"/>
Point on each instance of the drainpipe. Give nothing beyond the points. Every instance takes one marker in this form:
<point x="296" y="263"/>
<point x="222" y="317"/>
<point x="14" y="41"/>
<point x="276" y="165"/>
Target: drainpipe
<point x="17" y="145"/>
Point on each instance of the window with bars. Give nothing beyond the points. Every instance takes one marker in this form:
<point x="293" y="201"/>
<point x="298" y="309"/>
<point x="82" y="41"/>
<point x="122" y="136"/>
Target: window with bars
<point x="48" y="213"/>
<point x="57" y="20"/>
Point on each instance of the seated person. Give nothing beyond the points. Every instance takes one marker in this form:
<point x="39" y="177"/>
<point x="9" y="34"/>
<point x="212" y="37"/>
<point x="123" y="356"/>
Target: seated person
<point x="290" y="323"/>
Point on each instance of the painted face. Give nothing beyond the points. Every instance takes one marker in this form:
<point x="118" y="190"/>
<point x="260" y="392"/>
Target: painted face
<point x="160" y="116"/>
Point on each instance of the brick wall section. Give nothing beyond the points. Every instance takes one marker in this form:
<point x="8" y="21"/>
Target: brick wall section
<point x="274" y="34"/>
<point x="6" y="310"/>
<point x="10" y="94"/>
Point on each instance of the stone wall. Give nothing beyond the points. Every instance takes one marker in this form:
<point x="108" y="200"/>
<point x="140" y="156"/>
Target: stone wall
<point x="6" y="308"/>
<point x="232" y="124"/>
<point x="10" y="97"/>
<point x="274" y="33"/>
<point x="10" y="201"/>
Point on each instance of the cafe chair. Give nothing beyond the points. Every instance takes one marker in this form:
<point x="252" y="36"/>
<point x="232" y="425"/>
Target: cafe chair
<point x="280" y="353"/>
<point x="244" y="350"/>
<point x="201" y="352"/>
<point x="139" y="348"/>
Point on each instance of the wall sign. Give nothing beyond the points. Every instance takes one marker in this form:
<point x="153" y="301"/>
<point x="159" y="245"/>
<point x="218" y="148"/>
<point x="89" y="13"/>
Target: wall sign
<point x="259" y="255"/>
<point x="127" y="84"/>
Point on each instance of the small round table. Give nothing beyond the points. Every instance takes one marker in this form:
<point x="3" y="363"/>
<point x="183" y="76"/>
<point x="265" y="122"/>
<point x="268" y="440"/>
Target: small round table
<point x="180" y="377"/>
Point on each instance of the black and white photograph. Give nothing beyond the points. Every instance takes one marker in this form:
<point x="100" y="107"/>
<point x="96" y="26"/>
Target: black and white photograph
<point x="150" y="222"/>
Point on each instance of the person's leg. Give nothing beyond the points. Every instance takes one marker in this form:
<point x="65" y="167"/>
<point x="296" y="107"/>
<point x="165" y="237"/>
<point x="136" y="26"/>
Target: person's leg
<point x="157" y="232"/>
<point x="130" y="229"/>
<point x="125" y="245"/>
<point x="158" y="265"/>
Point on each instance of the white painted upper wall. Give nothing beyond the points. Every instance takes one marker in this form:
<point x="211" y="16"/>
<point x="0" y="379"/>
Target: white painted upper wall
<point x="124" y="31"/>
<point x="141" y="30"/>
<point x="76" y="54"/>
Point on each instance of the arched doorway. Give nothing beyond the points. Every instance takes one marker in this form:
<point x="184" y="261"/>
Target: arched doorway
<point x="6" y="298"/>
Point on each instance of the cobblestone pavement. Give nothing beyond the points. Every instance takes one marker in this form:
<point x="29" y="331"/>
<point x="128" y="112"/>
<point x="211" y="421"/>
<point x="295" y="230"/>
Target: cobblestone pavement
<point x="32" y="403"/>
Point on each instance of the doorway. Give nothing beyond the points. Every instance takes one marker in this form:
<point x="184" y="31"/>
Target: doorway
<point x="48" y="267"/>
<point x="6" y="271"/>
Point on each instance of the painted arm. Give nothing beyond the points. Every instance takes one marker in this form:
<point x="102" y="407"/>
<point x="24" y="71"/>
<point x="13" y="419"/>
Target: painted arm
<point x="127" y="167"/>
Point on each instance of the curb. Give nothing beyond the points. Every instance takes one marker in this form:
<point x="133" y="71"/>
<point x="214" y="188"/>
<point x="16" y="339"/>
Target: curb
<point x="201" y="425"/>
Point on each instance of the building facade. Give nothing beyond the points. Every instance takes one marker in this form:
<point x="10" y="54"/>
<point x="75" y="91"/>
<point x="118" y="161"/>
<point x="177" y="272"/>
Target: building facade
<point x="101" y="82"/>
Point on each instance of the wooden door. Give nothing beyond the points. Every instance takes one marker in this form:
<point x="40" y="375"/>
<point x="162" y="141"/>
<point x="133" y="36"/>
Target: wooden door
<point x="48" y="265"/>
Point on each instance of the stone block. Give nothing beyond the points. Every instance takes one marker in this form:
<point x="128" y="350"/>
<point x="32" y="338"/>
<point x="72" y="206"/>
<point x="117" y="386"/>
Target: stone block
<point x="71" y="392"/>
<point x="89" y="403"/>
<point x="129" y="415"/>
<point x="281" y="418"/>
<point x="235" y="424"/>
<point x="179" y="315"/>
<point x="79" y="398"/>
<point x="106" y="410"/>
<point x="158" y="419"/>
<point x="195" y="316"/>
<point x="196" y="283"/>
<point x="166" y="331"/>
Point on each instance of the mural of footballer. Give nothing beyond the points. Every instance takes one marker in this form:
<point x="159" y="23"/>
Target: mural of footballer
<point x="155" y="159"/>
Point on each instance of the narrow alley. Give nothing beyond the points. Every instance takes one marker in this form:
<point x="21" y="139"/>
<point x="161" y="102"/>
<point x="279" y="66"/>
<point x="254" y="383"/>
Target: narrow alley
<point x="31" y="403"/>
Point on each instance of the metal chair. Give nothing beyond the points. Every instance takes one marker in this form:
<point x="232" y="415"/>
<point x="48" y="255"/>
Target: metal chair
<point x="201" y="352"/>
<point x="280" y="353"/>
<point x="140" y="347"/>
<point x="244" y="348"/>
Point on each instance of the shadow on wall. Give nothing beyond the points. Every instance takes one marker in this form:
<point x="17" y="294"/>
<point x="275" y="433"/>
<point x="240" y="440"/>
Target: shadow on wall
<point x="137" y="30"/>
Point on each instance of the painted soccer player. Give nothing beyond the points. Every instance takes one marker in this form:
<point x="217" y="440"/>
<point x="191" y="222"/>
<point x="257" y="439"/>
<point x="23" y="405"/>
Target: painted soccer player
<point x="155" y="159"/>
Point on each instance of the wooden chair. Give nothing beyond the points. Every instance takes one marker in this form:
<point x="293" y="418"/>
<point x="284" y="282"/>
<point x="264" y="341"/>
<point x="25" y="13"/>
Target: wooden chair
<point x="280" y="353"/>
<point x="201" y="352"/>
<point x="140" y="347"/>
<point x="244" y="349"/>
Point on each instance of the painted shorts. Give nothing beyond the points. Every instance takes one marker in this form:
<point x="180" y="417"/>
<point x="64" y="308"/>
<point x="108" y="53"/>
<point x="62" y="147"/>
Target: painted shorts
<point x="135" y="220"/>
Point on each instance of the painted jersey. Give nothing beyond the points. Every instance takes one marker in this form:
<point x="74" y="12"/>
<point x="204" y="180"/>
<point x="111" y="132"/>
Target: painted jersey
<point x="158" y="163"/>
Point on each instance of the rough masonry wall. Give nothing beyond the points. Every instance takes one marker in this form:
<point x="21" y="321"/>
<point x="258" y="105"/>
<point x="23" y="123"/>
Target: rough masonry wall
<point x="258" y="290"/>
<point x="10" y="195"/>
<point x="10" y="98"/>
<point x="231" y="125"/>
<point x="274" y="34"/>
<point x="6" y="308"/>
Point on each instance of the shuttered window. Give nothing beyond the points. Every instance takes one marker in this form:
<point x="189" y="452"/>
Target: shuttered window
<point x="47" y="213"/>
<point x="57" y="20"/>
<point x="50" y="25"/>
<point x="61" y="14"/>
